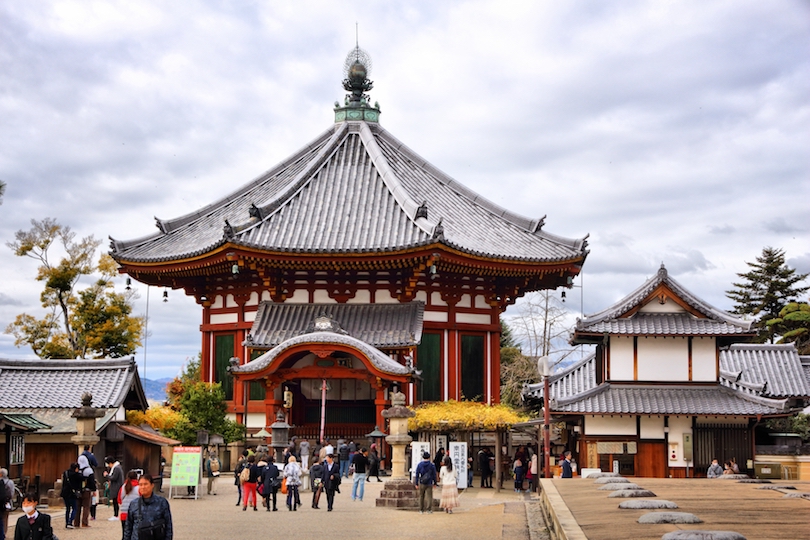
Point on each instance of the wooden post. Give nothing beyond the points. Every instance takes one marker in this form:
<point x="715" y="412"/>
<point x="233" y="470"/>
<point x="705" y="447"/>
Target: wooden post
<point x="498" y="461"/>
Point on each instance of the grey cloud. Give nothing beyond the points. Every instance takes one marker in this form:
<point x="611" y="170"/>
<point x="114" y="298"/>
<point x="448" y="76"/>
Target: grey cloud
<point x="780" y="225"/>
<point x="6" y="300"/>
<point x="800" y="263"/>
<point x="721" y="229"/>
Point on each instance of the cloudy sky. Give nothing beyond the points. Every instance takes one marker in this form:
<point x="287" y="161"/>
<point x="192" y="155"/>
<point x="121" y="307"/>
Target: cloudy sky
<point x="673" y="132"/>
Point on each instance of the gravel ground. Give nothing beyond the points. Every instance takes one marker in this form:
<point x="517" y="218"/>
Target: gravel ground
<point x="483" y="514"/>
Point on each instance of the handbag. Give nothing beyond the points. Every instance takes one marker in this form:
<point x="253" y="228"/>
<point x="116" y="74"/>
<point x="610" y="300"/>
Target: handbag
<point x="151" y="530"/>
<point x="284" y="486"/>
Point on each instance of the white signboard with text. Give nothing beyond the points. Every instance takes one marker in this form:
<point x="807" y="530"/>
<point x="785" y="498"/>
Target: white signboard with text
<point x="458" y="453"/>
<point x="417" y="449"/>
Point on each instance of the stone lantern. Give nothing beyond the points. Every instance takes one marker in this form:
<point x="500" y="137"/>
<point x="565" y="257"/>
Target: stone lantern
<point x="86" y="423"/>
<point x="281" y="434"/>
<point x="399" y="491"/>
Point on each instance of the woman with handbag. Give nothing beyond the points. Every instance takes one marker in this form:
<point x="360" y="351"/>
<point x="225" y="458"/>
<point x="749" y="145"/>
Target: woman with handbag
<point x="271" y="483"/>
<point x="292" y="473"/>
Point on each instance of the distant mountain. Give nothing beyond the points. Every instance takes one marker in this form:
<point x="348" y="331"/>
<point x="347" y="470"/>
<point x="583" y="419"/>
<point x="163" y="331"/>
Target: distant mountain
<point x="155" y="389"/>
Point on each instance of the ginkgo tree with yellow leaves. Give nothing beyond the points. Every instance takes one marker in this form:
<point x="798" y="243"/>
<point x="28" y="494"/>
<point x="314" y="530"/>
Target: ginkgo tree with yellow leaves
<point x="464" y="416"/>
<point x="90" y="322"/>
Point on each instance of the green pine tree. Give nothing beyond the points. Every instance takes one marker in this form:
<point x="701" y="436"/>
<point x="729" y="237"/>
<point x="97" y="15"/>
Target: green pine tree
<point x="765" y="289"/>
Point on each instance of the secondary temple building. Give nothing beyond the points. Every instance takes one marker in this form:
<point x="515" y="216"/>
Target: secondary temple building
<point x="355" y="266"/>
<point x="670" y="386"/>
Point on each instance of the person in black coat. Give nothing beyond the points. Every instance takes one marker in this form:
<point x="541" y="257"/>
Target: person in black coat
<point x="269" y="488"/>
<point x="33" y="525"/>
<point x="330" y="479"/>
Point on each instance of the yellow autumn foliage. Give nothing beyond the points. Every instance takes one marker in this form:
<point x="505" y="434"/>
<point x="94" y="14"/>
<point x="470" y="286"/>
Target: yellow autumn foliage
<point x="158" y="418"/>
<point x="463" y="416"/>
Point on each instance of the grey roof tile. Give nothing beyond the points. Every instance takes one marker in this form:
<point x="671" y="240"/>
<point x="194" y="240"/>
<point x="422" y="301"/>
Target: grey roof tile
<point x="353" y="190"/>
<point x="379" y="325"/>
<point x="682" y="324"/>
<point x="61" y="383"/>
<point x="767" y="370"/>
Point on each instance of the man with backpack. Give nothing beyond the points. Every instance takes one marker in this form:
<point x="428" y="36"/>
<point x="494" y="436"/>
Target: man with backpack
<point x="212" y="468"/>
<point x="425" y="478"/>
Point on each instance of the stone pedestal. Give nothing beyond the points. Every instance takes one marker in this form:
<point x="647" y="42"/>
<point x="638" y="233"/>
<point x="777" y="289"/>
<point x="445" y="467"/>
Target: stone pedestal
<point x="398" y="492"/>
<point x="86" y="423"/>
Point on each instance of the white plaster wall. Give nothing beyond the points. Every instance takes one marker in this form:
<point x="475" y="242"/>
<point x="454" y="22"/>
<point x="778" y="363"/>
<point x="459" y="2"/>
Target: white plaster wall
<point x="652" y="427"/>
<point x="663" y="359"/>
<point x="253" y="300"/>
<point x="383" y="296"/>
<point x="654" y="306"/>
<point x="481" y="302"/>
<point x="230" y="302"/>
<point x="610" y="425"/>
<point x="300" y="296"/>
<point x="421" y="296"/>
<point x="678" y="425"/>
<point x="473" y="318"/>
<point x="621" y="358"/>
<point x="362" y="297"/>
<point x="254" y="420"/>
<point x="223" y="318"/>
<point x="218" y="302"/>
<point x="435" y="316"/>
<point x="321" y="297"/>
<point x="704" y="359"/>
<point x="465" y="301"/>
<point x="436" y="299"/>
<point x="250" y="316"/>
<point x="265" y="296"/>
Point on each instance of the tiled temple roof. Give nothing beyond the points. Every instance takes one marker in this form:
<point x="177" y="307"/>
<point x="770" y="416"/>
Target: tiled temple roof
<point x="354" y="189"/>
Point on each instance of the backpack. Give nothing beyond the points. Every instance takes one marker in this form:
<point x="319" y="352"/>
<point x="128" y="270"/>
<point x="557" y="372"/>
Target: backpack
<point x="214" y="465"/>
<point x="4" y="498"/>
<point x="244" y="476"/>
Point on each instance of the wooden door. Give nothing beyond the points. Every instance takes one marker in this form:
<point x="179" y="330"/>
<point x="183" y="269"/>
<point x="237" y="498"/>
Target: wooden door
<point x="651" y="460"/>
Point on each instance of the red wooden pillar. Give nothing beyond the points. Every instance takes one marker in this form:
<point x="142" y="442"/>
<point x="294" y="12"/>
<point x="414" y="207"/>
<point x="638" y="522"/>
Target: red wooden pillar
<point x="205" y="356"/>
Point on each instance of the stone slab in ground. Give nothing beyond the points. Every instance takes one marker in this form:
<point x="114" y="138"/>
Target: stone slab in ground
<point x="631" y="493"/>
<point x="703" y="535"/>
<point x="603" y="475"/>
<point x="616" y="486"/>
<point x="611" y="480"/>
<point x="797" y="495"/>
<point x="776" y="487"/>
<point x="669" y="517"/>
<point x="647" y="504"/>
<point x="754" y="481"/>
<point x="732" y="477"/>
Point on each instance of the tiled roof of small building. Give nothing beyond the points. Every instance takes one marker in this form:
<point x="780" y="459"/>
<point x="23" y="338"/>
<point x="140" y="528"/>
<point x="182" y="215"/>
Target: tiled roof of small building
<point x="379" y="325"/>
<point x="61" y="383"/>
<point x="611" y="320"/>
<point x="354" y="189"/>
<point x="755" y="379"/>
<point x="679" y="324"/>
<point x="767" y="370"/>
<point x="378" y="359"/>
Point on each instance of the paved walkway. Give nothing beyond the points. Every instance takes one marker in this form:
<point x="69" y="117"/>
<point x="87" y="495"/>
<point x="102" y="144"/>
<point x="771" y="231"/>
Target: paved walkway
<point x="483" y="514"/>
<point x="757" y="514"/>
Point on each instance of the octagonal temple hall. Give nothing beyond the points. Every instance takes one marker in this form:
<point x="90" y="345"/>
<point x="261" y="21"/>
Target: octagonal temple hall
<point x="355" y="262"/>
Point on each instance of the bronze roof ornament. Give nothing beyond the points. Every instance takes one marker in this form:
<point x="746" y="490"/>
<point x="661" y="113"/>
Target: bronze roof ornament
<point x="356" y="70"/>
